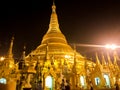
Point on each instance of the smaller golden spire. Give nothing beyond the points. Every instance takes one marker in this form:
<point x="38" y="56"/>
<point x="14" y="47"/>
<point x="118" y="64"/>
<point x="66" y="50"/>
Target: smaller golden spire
<point x="109" y="61"/>
<point x="115" y="58"/>
<point x="97" y="59"/>
<point x="23" y="56"/>
<point x="115" y="61"/>
<point x="10" y="54"/>
<point x="103" y="60"/>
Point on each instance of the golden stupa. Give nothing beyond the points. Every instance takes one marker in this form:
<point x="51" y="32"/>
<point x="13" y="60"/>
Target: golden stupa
<point x="55" y="62"/>
<point x="56" y="56"/>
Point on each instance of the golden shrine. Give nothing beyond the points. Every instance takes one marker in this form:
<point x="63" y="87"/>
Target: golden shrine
<point x="55" y="60"/>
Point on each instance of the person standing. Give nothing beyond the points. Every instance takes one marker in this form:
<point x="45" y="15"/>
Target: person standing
<point x="116" y="86"/>
<point x="63" y="85"/>
<point x="91" y="86"/>
<point x="39" y="86"/>
<point x="67" y="87"/>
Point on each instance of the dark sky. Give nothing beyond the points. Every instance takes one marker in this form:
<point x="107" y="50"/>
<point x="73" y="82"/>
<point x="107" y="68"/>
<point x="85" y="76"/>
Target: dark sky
<point x="81" y="21"/>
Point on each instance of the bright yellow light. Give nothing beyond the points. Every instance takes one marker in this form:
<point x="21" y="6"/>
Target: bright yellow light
<point x="10" y="66"/>
<point x="67" y="56"/>
<point x="2" y="58"/>
<point x="112" y="46"/>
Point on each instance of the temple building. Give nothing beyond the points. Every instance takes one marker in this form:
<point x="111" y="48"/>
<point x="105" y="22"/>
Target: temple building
<point x="55" y="62"/>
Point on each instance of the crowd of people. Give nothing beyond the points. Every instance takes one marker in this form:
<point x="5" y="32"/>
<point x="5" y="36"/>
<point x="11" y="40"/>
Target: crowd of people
<point x="66" y="86"/>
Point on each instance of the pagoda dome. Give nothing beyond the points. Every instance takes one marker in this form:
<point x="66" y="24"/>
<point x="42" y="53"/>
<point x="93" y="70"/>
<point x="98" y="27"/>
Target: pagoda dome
<point x="54" y="37"/>
<point x="54" y="41"/>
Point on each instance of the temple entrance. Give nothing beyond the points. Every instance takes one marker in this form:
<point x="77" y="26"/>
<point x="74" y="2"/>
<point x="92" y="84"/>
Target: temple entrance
<point x="107" y="80"/>
<point x="97" y="81"/>
<point x="82" y="81"/>
<point x="49" y="82"/>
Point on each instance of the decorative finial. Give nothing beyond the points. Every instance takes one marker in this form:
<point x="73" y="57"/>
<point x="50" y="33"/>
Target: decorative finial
<point x="23" y="56"/>
<point x="24" y="48"/>
<point x="12" y="38"/>
<point x="53" y="6"/>
<point x="53" y="2"/>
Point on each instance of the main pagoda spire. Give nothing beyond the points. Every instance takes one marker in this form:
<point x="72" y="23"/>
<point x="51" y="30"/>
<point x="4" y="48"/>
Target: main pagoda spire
<point x="54" y="25"/>
<point x="54" y="34"/>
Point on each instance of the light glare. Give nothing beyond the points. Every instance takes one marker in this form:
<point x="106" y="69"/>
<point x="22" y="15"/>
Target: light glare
<point x="107" y="46"/>
<point x="2" y="59"/>
<point x="112" y="46"/>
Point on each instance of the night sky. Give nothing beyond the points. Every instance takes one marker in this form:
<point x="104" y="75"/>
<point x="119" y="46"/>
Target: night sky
<point x="81" y="21"/>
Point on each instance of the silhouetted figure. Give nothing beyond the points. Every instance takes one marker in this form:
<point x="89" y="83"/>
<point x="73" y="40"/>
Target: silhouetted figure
<point x="116" y="86"/>
<point x="63" y="85"/>
<point x="91" y="86"/>
<point x="67" y="87"/>
<point x="40" y="86"/>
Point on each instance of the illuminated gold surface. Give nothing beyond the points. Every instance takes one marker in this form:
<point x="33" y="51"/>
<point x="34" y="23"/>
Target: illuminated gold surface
<point x="56" y="58"/>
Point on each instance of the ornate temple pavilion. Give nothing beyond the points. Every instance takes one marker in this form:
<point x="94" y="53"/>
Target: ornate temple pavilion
<point x="55" y="61"/>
